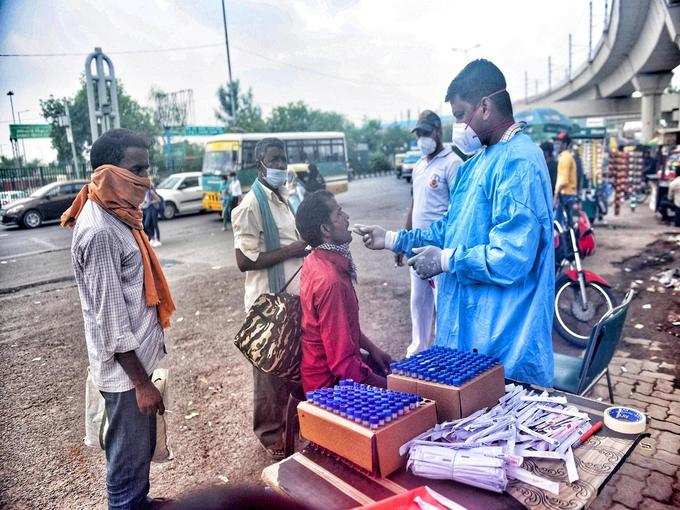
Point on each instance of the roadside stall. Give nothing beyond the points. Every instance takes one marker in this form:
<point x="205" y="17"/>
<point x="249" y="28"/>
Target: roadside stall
<point x="668" y="167"/>
<point x="451" y="432"/>
<point x="590" y="144"/>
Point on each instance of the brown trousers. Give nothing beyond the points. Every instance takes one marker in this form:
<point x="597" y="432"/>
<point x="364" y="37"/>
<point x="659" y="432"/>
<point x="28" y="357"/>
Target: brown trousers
<point x="270" y="398"/>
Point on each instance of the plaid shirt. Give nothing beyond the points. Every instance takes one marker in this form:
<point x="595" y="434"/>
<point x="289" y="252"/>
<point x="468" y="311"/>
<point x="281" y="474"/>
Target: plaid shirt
<point x="342" y="249"/>
<point x="110" y="277"/>
<point x="515" y="128"/>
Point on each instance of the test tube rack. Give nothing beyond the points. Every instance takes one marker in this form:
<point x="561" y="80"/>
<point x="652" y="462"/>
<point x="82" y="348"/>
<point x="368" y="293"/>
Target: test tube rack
<point x="366" y="405"/>
<point x="444" y="365"/>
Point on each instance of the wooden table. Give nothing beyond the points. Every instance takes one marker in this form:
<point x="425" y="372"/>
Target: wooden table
<point x="329" y="483"/>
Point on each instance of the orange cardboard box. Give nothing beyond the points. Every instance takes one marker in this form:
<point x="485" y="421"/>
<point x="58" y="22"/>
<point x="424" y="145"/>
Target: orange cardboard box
<point x="376" y="450"/>
<point x="455" y="402"/>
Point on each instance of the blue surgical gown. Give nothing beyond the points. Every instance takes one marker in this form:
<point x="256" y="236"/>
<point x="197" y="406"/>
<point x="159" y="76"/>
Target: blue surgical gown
<point x="498" y="294"/>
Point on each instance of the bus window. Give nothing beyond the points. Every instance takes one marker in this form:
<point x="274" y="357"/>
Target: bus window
<point x="219" y="162"/>
<point x="324" y="151"/>
<point x="310" y="150"/>
<point x="249" y="154"/>
<point x="338" y="151"/>
<point x="292" y="151"/>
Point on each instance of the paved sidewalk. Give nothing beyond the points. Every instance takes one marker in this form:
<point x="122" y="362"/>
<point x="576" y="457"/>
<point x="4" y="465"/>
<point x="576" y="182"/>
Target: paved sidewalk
<point x="643" y="368"/>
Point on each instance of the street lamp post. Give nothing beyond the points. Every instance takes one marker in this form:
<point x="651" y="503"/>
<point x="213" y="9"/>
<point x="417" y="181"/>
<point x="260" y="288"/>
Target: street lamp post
<point x="226" y="43"/>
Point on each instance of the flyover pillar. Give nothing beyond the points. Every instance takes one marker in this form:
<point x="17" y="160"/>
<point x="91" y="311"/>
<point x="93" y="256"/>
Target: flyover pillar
<point x="651" y="86"/>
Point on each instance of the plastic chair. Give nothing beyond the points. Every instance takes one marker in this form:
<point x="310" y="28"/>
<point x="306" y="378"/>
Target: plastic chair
<point x="578" y="374"/>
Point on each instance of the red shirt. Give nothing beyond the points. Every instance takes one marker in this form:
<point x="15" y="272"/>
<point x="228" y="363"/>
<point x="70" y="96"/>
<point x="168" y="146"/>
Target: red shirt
<point x="331" y="334"/>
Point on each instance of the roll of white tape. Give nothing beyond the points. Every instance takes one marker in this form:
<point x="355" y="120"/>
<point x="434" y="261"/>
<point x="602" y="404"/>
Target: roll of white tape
<point x="625" y="420"/>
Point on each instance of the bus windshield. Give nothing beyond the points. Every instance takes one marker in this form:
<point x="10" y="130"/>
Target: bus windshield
<point x="219" y="162"/>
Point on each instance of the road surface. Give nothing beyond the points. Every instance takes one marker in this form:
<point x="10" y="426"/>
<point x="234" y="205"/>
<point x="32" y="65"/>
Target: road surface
<point x="195" y="243"/>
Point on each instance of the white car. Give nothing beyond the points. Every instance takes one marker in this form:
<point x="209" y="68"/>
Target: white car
<point x="182" y="194"/>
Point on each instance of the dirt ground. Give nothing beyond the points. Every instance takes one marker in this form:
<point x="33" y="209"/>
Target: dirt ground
<point x="44" y="461"/>
<point x="655" y="307"/>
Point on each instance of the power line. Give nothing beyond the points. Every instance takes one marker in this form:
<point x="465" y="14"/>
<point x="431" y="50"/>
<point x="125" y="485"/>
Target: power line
<point x="197" y="47"/>
<point x="216" y="45"/>
<point x="121" y="52"/>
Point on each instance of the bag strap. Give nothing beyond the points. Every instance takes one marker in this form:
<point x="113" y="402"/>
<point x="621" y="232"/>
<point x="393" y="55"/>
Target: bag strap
<point x="460" y="153"/>
<point x="291" y="279"/>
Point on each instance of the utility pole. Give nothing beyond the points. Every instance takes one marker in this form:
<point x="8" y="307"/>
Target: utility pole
<point x="570" y="53"/>
<point x="23" y="147"/>
<point x="226" y="44"/>
<point x="14" y="143"/>
<point x="549" y="74"/>
<point x="606" y="15"/>
<point x="590" y="32"/>
<point x="526" y="87"/>
<point x="65" y="122"/>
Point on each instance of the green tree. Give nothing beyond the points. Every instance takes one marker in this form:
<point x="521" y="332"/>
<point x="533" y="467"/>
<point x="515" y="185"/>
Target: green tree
<point x="248" y="116"/>
<point x="395" y="139"/>
<point x="298" y="116"/>
<point x="6" y="162"/>
<point x="132" y="116"/>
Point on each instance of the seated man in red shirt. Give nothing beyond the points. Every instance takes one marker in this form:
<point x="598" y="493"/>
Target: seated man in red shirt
<point x="331" y="337"/>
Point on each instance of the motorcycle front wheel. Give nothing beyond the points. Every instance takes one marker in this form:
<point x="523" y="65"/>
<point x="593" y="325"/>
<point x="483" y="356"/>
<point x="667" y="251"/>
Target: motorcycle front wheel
<point x="574" y="322"/>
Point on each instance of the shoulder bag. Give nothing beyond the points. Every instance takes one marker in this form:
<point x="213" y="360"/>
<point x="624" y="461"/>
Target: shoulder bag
<point x="270" y="335"/>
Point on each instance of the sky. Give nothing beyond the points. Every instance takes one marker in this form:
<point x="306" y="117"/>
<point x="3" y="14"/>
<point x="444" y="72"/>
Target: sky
<point x="362" y="58"/>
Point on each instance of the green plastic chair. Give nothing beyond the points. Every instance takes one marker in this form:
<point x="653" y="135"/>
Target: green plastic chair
<point x="578" y="374"/>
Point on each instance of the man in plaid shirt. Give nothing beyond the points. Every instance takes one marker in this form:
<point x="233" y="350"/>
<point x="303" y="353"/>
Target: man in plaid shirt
<point x="126" y="304"/>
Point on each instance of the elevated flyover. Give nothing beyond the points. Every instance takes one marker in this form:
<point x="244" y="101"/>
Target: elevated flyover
<point x="637" y="53"/>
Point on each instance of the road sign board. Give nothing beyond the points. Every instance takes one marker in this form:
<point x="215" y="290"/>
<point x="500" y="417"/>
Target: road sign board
<point x="196" y="130"/>
<point x="17" y="131"/>
<point x="590" y="132"/>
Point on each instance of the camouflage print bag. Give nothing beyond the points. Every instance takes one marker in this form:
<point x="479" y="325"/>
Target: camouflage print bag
<point x="270" y="335"/>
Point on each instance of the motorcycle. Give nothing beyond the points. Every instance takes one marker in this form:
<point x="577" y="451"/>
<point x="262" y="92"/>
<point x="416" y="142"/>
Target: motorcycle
<point x="582" y="297"/>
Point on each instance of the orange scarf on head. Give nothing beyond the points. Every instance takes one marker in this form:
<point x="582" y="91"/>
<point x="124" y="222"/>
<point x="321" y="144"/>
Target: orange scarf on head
<point x="120" y="192"/>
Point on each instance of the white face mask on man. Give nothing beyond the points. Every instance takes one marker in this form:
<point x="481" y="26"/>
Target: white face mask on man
<point x="427" y="145"/>
<point x="462" y="134"/>
<point x="465" y="138"/>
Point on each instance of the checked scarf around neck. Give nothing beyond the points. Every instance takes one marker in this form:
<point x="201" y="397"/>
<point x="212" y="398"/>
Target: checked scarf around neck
<point x="342" y="249"/>
<point x="119" y="192"/>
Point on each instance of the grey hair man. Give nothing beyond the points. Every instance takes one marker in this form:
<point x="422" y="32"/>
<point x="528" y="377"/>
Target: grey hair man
<point x="269" y="251"/>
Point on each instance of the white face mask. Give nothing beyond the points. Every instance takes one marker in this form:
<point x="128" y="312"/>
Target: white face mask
<point x="465" y="138"/>
<point x="427" y="145"/>
<point x="275" y="177"/>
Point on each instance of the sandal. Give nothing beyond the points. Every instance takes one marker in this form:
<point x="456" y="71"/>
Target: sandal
<point x="275" y="452"/>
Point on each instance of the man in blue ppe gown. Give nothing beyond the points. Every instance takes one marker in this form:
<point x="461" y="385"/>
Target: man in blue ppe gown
<point x="494" y="245"/>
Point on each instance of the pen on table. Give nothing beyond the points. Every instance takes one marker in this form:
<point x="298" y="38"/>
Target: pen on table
<point x="586" y="435"/>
